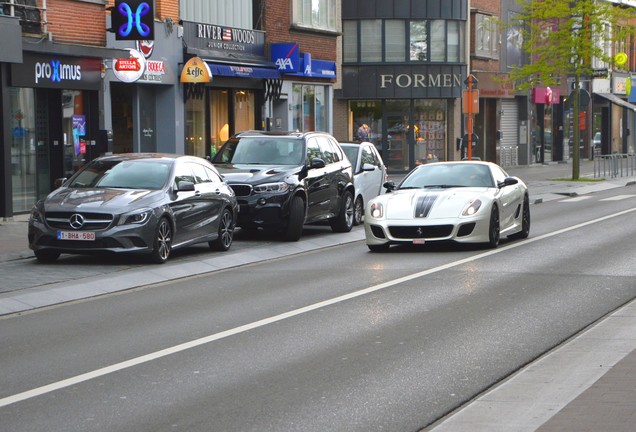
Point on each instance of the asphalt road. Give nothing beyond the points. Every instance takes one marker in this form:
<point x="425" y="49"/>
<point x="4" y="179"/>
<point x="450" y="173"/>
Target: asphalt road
<point x="334" y="339"/>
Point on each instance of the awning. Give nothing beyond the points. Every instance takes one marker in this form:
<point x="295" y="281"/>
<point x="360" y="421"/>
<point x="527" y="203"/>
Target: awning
<point x="243" y="71"/>
<point x="616" y="100"/>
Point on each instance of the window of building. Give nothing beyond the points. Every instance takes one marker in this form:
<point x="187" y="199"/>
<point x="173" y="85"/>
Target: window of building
<point x="438" y="40"/>
<point x="235" y="13"/>
<point x="350" y="41"/>
<point x="371" y="41"/>
<point x="419" y="41"/>
<point x="398" y="41"/>
<point x="315" y="14"/>
<point x="486" y="36"/>
<point x="195" y="127"/>
<point x="309" y="108"/>
<point x="395" y="41"/>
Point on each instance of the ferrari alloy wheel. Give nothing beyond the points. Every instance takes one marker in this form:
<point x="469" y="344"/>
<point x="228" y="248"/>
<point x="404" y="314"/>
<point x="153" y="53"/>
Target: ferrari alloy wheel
<point x="493" y="231"/>
<point x="163" y="242"/>
<point x="226" y="232"/>
<point x="358" y="211"/>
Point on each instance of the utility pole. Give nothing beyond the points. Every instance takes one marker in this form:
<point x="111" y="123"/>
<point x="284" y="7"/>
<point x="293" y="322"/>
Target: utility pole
<point x="471" y="107"/>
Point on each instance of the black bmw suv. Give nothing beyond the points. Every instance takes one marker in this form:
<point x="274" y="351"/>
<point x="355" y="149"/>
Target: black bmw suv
<point x="283" y="180"/>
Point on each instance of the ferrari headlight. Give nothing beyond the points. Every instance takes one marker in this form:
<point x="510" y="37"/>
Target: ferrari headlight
<point x="471" y="208"/>
<point x="137" y="217"/>
<point x="279" y="187"/>
<point x="376" y="210"/>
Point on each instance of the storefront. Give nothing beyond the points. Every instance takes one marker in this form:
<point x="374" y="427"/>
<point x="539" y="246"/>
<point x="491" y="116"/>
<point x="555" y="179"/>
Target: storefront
<point x="233" y="100"/>
<point x="306" y="94"/>
<point x="53" y="111"/>
<point x="410" y="113"/>
<point x="11" y="52"/>
<point x="144" y="93"/>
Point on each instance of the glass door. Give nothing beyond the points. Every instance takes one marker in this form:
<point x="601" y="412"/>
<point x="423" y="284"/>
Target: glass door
<point x="395" y="143"/>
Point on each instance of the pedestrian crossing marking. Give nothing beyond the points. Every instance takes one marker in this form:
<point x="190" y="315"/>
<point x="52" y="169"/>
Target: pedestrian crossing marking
<point x="575" y="199"/>
<point x="618" y="198"/>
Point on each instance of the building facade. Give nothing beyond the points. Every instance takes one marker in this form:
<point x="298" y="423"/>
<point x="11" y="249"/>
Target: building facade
<point x="51" y="93"/>
<point x="403" y="71"/>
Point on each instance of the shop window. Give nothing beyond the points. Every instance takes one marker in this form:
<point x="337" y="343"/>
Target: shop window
<point x="195" y="127"/>
<point x="430" y="129"/>
<point x="23" y="141"/>
<point x="244" y="110"/>
<point x="309" y="108"/>
<point x="219" y="119"/>
<point x="315" y="14"/>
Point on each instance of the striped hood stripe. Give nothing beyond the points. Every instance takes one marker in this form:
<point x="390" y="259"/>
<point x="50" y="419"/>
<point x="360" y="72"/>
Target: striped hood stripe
<point x="424" y="205"/>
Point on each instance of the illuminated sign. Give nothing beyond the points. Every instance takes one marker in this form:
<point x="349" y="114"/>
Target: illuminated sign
<point x="133" y="19"/>
<point x="56" y="71"/>
<point x="130" y="69"/>
<point x="196" y="71"/>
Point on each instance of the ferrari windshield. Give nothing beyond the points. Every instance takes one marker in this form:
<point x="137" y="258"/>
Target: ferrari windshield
<point x="445" y="175"/>
<point x="130" y="174"/>
<point x="265" y="151"/>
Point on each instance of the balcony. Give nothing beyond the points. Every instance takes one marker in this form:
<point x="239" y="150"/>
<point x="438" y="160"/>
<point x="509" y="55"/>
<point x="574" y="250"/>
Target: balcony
<point x="31" y="15"/>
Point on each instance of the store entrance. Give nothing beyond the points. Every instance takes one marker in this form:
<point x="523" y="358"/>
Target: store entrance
<point x="395" y="141"/>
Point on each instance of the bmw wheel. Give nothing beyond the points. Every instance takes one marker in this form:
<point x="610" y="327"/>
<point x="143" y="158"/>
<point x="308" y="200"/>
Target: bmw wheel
<point x="294" y="229"/>
<point x="343" y="222"/>
<point x="226" y="232"/>
<point x="163" y="242"/>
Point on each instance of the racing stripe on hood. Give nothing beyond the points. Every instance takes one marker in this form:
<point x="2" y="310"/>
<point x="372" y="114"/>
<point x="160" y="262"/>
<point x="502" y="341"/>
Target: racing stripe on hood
<point x="424" y="205"/>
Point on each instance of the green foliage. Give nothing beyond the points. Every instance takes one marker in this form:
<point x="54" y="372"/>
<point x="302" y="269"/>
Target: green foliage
<point x="562" y="37"/>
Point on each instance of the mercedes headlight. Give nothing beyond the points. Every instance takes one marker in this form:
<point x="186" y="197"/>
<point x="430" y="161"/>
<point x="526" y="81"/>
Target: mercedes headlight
<point x="138" y="217"/>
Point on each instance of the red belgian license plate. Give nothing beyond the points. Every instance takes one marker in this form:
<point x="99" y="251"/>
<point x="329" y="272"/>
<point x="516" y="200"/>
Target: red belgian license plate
<point x="76" y="235"/>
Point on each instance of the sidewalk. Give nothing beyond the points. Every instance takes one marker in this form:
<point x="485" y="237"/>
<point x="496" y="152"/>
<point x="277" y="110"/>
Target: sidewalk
<point x="587" y="384"/>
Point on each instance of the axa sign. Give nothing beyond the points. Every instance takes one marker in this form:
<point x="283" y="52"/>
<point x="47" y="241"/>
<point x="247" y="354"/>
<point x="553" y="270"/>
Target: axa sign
<point x="286" y="56"/>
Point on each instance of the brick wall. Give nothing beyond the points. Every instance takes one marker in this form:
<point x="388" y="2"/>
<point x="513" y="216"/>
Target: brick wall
<point x="72" y="21"/>
<point x="277" y="24"/>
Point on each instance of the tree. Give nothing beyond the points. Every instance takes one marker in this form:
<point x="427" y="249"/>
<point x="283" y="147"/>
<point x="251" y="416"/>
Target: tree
<point x="565" y="40"/>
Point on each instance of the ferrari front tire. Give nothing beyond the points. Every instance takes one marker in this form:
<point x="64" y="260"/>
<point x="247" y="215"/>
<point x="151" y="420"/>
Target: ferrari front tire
<point x="379" y="248"/>
<point x="493" y="229"/>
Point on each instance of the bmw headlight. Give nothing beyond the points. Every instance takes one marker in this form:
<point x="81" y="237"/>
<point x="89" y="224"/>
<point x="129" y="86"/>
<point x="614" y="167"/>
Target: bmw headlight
<point x="138" y="217"/>
<point x="278" y="187"/>
<point x="471" y="208"/>
<point x="376" y="210"/>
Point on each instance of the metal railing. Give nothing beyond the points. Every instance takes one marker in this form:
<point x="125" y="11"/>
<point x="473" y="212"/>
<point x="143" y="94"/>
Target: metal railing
<point x="615" y="165"/>
<point x="32" y="15"/>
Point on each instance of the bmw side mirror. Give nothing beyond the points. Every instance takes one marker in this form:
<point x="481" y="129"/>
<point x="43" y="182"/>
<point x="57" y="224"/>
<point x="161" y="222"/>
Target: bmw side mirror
<point x="368" y="167"/>
<point x="317" y="163"/>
